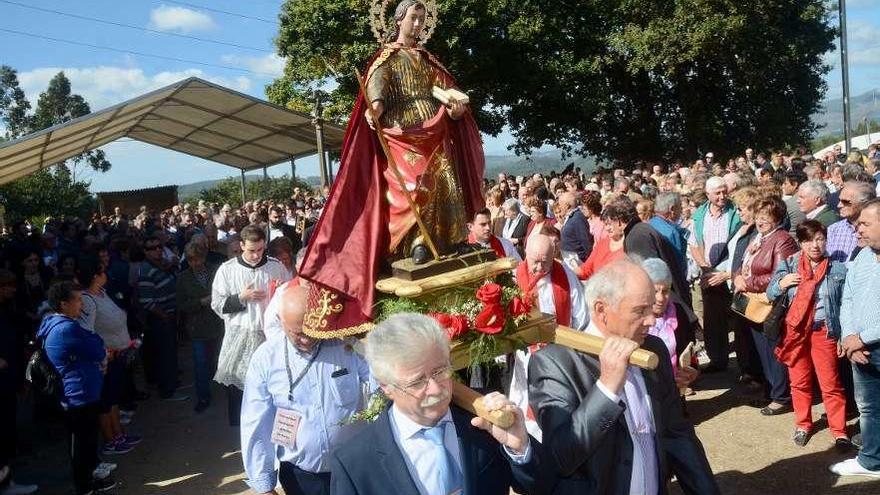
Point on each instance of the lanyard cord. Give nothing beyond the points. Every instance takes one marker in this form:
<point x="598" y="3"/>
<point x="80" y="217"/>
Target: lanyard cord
<point x="290" y="381"/>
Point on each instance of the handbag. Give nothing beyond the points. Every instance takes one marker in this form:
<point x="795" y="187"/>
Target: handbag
<point x="753" y="306"/>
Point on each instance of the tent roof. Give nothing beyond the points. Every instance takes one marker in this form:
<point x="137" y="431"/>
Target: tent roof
<point x="192" y="116"/>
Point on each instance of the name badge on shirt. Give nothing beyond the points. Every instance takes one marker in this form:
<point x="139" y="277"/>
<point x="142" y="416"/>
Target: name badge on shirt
<point x="285" y="427"/>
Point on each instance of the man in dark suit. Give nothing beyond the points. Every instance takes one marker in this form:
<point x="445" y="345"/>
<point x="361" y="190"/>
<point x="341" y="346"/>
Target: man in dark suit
<point x="420" y="445"/>
<point x="513" y="225"/>
<point x="611" y="428"/>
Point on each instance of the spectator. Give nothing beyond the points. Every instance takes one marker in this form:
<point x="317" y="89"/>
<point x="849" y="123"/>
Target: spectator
<point x="812" y="198"/>
<point x="860" y="334"/>
<point x="794" y="215"/>
<point x="576" y="240"/>
<point x="103" y="317"/>
<point x="842" y="238"/>
<point x="79" y="357"/>
<point x="667" y="215"/>
<point x="714" y="224"/>
<point x="515" y="224"/>
<point x="156" y="297"/>
<point x="204" y="328"/>
<point x="770" y="246"/>
<point x="537" y="209"/>
<point x="813" y="286"/>
<point x="282" y="250"/>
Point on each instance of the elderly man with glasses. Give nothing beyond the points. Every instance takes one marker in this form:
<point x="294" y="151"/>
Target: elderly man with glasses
<point x="421" y="445"/>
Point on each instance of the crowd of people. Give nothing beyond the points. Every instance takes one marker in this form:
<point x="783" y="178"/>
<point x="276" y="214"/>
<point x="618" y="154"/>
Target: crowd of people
<point x="674" y="259"/>
<point x="116" y="294"/>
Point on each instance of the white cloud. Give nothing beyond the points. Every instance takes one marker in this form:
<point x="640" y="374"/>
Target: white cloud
<point x="867" y="56"/>
<point x="104" y="86"/>
<point x="270" y="64"/>
<point x="180" y="19"/>
<point x="862" y="33"/>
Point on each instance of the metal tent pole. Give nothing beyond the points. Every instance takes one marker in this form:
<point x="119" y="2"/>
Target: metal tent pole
<point x="243" y="189"/>
<point x="844" y="69"/>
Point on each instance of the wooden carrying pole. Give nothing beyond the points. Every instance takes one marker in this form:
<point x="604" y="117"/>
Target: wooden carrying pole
<point x="393" y="166"/>
<point x="471" y="401"/>
<point x="592" y="344"/>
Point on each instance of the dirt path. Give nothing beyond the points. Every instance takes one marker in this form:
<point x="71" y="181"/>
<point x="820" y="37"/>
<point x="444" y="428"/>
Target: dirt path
<point x="185" y="454"/>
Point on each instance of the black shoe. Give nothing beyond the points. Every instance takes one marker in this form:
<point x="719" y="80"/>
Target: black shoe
<point x="856" y="441"/>
<point x="713" y="368"/>
<point x="103" y="485"/>
<point x="800" y="438"/>
<point x="201" y="406"/>
<point x="843" y="445"/>
<point x="775" y="411"/>
<point x="420" y="255"/>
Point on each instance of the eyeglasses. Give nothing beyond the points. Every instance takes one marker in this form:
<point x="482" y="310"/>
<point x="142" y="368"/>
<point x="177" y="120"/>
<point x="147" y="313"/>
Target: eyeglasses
<point x="844" y="202"/>
<point x="417" y="387"/>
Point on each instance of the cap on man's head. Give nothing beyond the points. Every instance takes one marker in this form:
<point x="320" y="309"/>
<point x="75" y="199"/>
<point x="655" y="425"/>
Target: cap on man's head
<point x="710" y="155"/>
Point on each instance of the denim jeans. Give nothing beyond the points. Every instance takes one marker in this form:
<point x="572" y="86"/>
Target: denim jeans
<point x="775" y="372"/>
<point x="867" y="382"/>
<point x="204" y="354"/>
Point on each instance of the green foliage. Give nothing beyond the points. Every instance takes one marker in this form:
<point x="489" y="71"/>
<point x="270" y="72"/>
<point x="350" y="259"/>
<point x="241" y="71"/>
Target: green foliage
<point x="54" y="191"/>
<point x="229" y="190"/>
<point x="49" y="192"/>
<point x="633" y="79"/>
<point x="376" y="403"/>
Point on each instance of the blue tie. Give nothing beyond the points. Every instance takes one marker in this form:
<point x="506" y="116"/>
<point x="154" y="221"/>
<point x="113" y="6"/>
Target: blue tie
<point x="449" y="475"/>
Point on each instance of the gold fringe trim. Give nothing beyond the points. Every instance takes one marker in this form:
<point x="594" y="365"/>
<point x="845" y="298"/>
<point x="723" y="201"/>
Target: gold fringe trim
<point x="340" y="332"/>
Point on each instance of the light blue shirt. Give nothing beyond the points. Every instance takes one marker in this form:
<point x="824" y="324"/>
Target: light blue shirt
<point x="861" y="294"/>
<point x="419" y="453"/>
<point x="323" y="400"/>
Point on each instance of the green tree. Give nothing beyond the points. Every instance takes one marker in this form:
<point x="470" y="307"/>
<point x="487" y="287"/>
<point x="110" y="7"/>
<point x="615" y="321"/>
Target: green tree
<point x="14" y="106"/>
<point x="229" y="190"/>
<point x="53" y="191"/>
<point x="621" y="79"/>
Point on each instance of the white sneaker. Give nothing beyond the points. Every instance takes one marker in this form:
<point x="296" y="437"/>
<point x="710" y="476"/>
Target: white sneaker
<point x="109" y="466"/>
<point x="851" y="467"/>
<point x="14" y="489"/>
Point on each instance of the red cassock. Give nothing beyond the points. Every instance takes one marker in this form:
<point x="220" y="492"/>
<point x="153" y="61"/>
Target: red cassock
<point x="352" y="237"/>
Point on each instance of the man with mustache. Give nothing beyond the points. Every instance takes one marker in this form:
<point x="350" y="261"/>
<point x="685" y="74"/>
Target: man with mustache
<point x="612" y="428"/>
<point x="306" y="387"/>
<point x="421" y="445"/>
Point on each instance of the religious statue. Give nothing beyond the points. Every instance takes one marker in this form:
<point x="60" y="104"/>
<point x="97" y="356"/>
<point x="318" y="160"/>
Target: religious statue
<point x="405" y="185"/>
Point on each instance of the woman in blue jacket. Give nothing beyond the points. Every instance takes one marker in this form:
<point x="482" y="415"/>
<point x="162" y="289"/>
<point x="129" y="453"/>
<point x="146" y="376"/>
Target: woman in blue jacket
<point x="79" y="357"/>
<point x="813" y="286"/>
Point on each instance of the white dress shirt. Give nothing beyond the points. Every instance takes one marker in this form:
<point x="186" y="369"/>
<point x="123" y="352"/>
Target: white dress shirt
<point x="323" y="400"/>
<point x="419" y="453"/>
<point x="639" y="417"/>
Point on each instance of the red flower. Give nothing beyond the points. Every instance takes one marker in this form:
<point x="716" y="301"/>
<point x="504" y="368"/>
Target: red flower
<point x="491" y="320"/>
<point x="489" y="294"/>
<point x="455" y="325"/>
<point x="519" y="306"/>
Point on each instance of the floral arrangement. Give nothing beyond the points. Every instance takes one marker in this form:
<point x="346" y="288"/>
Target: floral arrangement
<point x="474" y="316"/>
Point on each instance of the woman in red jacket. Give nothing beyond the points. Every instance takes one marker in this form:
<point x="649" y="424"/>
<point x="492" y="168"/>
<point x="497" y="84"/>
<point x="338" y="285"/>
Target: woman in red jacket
<point x="765" y="252"/>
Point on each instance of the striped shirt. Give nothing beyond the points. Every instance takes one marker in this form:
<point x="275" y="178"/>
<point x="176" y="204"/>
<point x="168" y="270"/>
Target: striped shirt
<point x="860" y="311"/>
<point x="842" y="240"/>
<point x="715" y="236"/>
<point x="156" y="288"/>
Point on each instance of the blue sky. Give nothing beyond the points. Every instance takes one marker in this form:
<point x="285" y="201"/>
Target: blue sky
<point x="105" y="77"/>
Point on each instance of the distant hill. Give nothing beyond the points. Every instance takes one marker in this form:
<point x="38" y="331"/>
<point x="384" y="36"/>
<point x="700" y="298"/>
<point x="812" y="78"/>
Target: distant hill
<point x="830" y="117"/>
<point x="543" y="162"/>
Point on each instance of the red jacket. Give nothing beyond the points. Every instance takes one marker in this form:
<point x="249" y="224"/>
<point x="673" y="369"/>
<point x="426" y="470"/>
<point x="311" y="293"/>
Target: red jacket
<point x="774" y="249"/>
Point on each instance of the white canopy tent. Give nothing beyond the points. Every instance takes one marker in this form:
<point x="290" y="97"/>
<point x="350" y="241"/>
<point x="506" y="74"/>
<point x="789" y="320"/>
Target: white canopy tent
<point x="192" y="116"/>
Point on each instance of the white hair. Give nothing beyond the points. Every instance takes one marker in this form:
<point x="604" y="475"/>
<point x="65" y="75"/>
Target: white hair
<point x="658" y="271"/>
<point x="402" y="340"/>
<point x="816" y="188"/>
<point x="666" y="202"/>
<point x="511" y="204"/>
<point x="715" y="183"/>
<point x="864" y="190"/>
<point x="609" y="284"/>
